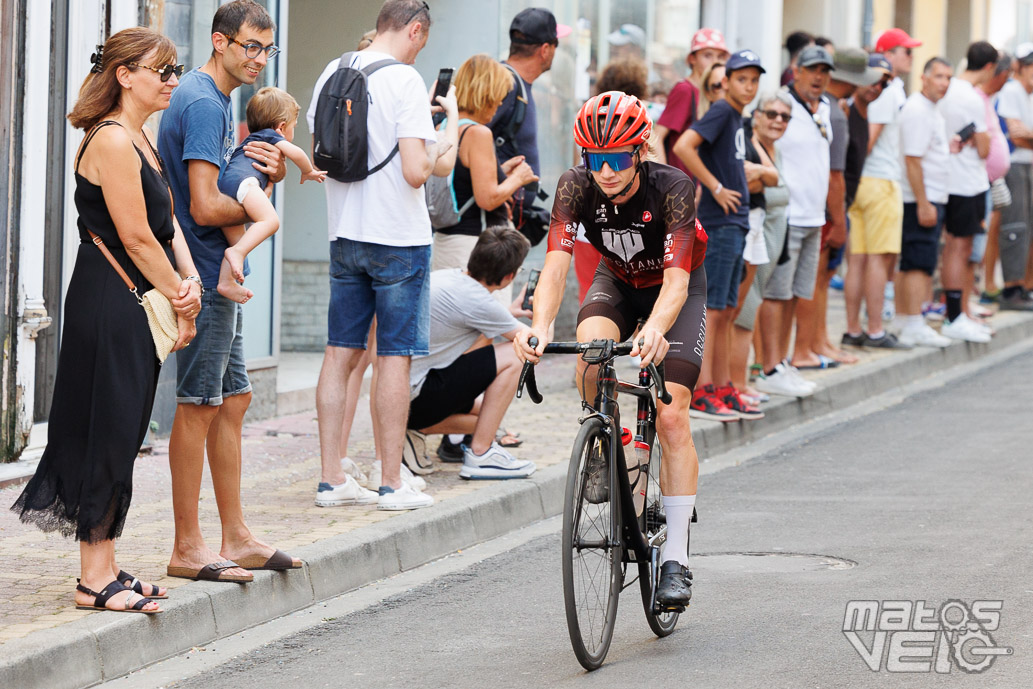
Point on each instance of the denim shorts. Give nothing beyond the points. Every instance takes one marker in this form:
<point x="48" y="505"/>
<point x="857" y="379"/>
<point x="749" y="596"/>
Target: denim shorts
<point x="724" y="265"/>
<point x="212" y="366"/>
<point x="392" y="282"/>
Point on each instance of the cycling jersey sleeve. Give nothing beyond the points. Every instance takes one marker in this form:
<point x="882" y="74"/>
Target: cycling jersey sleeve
<point x="685" y="243"/>
<point x="566" y="211"/>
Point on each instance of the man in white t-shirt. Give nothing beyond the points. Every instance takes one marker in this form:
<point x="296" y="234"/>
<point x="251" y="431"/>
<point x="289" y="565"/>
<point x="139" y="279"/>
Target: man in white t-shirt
<point x="463" y="391"/>
<point x="926" y="149"/>
<point x="1015" y="105"/>
<point x="877" y="213"/>
<point x="965" y="115"/>
<point x="805" y="167"/>
<point x="380" y="238"/>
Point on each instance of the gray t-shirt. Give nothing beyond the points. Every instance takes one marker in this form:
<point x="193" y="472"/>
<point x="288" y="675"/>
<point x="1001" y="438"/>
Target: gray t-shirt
<point x="840" y="135"/>
<point x="461" y="309"/>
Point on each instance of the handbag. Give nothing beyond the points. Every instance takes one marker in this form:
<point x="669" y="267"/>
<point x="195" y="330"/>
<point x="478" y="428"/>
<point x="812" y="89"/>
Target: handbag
<point x="161" y="318"/>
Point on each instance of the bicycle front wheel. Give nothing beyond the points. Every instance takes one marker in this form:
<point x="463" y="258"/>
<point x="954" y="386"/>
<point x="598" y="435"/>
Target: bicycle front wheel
<point x="591" y="546"/>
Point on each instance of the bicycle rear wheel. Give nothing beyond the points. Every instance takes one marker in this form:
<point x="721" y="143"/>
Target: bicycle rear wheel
<point x="653" y="523"/>
<point x="592" y="548"/>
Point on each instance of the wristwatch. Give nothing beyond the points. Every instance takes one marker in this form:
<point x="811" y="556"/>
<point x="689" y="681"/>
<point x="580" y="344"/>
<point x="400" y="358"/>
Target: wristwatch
<point x="197" y="279"/>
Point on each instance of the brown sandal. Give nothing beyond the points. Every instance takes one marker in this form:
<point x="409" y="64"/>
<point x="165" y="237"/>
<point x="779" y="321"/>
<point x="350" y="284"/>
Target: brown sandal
<point x="114" y="588"/>
<point x="210" y="572"/>
<point x="277" y="562"/>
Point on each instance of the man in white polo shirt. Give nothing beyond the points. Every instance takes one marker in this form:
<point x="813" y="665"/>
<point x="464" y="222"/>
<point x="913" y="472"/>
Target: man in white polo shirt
<point x="805" y="168"/>
<point x="925" y="146"/>
<point x="965" y="115"/>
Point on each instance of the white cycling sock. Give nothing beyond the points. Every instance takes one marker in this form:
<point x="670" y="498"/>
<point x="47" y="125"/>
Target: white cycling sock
<point x="679" y="512"/>
<point x="455" y="438"/>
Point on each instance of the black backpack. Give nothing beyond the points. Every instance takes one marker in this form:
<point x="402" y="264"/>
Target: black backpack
<point x="341" y="141"/>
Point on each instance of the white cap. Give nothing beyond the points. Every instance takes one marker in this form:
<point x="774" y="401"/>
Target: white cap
<point x="1024" y="52"/>
<point x="628" y="33"/>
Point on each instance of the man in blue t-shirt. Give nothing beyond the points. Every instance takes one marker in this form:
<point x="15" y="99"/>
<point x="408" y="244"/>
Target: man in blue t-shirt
<point x="196" y="140"/>
<point x="714" y="149"/>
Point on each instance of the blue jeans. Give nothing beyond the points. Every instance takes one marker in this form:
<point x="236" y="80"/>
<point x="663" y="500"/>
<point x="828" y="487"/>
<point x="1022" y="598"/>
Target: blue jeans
<point x="392" y="282"/>
<point x="724" y="265"/>
<point x="213" y="367"/>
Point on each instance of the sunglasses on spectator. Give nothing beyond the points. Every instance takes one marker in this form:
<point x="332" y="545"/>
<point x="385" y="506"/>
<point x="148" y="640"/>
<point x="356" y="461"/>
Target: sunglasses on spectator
<point x="253" y="49"/>
<point x="423" y="6"/>
<point x="164" y="72"/>
<point x="714" y="86"/>
<point x="775" y="114"/>
<point x="821" y="126"/>
<point x="616" y="161"/>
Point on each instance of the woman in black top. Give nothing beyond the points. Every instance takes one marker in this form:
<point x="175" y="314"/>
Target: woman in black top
<point x="481" y="85"/>
<point x="107" y="369"/>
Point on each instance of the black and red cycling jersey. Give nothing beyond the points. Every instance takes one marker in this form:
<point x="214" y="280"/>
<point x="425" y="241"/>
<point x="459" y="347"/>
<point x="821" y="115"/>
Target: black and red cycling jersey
<point x="654" y="230"/>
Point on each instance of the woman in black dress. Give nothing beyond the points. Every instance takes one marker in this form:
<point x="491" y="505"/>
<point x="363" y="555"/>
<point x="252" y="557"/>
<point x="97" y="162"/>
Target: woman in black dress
<point x="108" y="368"/>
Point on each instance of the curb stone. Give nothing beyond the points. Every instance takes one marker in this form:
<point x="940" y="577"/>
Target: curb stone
<point x="102" y="647"/>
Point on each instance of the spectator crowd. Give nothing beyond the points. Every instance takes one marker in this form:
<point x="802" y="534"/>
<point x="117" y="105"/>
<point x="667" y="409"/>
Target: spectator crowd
<point x="839" y="179"/>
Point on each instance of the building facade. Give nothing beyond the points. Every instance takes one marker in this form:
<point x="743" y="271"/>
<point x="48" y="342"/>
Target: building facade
<point x="44" y="54"/>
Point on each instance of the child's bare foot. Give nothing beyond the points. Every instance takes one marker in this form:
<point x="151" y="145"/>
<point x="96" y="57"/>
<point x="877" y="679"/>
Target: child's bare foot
<point x="232" y="260"/>
<point x="230" y="288"/>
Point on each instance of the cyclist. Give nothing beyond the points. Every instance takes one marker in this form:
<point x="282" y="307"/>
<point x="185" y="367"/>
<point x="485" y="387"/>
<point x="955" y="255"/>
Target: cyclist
<point x="640" y="216"/>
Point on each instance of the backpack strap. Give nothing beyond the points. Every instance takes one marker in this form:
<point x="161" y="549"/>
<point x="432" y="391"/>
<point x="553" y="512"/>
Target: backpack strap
<point x="519" y="112"/>
<point x="366" y="72"/>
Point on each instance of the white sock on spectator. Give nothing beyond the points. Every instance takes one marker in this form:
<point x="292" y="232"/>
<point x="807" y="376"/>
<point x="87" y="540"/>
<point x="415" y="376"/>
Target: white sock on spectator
<point x="679" y="513"/>
<point x="455" y="438"/>
<point x="915" y="322"/>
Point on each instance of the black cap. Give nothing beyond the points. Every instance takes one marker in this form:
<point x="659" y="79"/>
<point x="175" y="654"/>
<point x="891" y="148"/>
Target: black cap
<point x="536" y="25"/>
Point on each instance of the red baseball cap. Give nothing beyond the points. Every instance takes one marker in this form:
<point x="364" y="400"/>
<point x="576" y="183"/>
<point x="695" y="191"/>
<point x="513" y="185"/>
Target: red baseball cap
<point x="708" y="38"/>
<point x="895" y="38"/>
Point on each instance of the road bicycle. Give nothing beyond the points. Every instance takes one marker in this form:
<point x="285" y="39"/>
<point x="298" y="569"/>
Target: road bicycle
<point x="604" y="537"/>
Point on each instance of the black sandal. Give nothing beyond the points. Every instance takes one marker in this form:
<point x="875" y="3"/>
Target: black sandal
<point x="100" y="599"/>
<point x="129" y="581"/>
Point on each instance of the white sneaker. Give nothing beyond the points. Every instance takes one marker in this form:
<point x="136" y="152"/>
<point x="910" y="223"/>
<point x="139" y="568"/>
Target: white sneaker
<point x="404" y="498"/>
<point x="347" y="493"/>
<point x="495" y="463"/>
<point x="374" y="480"/>
<point x="923" y="336"/>
<point x="352" y="469"/>
<point x="795" y="373"/>
<point x="964" y="328"/>
<point x="782" y="382"/>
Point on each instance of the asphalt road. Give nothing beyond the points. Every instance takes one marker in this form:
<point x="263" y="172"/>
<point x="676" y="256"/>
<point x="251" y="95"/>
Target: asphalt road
<point x="928" y="501"/>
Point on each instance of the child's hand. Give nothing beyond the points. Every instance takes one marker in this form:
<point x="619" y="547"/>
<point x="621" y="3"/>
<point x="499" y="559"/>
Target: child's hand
<point x="313" y="175"/>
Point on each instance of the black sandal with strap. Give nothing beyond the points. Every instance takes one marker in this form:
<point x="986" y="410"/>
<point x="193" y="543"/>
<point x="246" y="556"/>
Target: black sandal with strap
<point x="128" y="580"/>
<point x="114" y="588"/>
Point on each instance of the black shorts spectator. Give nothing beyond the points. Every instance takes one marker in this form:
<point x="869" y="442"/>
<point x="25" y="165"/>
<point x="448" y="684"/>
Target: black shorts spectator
<point x="920" y="246"/>
<point x="453" y="389"/>
<point x="965" y="215"/>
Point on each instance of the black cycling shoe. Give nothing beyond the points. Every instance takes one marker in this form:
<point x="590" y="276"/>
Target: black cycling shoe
<point x="675" y="588"/>
<point x="452" y="452"/>
<point x="597" y="481"/>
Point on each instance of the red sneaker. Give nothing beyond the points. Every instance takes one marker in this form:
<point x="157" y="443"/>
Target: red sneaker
<point x="707" y="405"/>
<point x="734" y="401"/>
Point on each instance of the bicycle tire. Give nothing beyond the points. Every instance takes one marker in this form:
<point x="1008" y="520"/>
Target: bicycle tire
<point x="652" y="523"/>
<point x="592" y="576"/>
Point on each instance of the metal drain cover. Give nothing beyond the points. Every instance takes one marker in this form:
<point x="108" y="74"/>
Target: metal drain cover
<point x="774" y="562"/>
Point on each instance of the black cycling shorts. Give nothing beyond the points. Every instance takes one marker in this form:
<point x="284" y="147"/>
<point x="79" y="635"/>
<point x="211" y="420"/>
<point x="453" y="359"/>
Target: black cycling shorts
<point x="614" y="299"/>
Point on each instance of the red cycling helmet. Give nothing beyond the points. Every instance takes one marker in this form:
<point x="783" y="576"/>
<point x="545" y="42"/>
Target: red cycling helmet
<point x="611" y="120"/>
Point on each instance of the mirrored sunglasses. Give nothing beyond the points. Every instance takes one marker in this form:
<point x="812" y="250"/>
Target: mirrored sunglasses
<point x="616" y="161"/>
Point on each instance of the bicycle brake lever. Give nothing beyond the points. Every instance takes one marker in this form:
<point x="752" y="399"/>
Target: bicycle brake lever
<point x="661" y="388"/>
<point x="527" y="378"/>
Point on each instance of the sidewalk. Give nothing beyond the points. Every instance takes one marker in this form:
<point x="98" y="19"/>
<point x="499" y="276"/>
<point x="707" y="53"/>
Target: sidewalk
<point x="45" y="642"/>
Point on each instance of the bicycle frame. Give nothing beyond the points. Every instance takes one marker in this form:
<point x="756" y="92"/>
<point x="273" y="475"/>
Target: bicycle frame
<point x="634" y="540"/>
